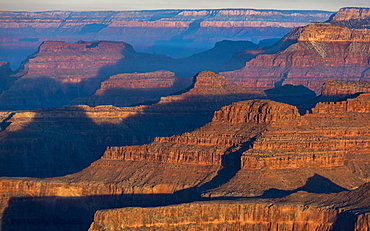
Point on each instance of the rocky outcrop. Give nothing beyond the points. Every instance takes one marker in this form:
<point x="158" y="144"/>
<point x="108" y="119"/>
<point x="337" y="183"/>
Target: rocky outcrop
<point x="60" y="72"/>
<point x="358" y="104"/>
<point x="260" y="112"/>
<point x="352" y="17"/>
<point x="321" y="52"/>
<point x="134" y="88"/>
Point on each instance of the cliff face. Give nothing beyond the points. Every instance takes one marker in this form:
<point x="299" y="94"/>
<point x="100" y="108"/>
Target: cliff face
<point x="60" y="72"/>
<point x="322" y="51"/>
<point x="300" y="211"/>
<point x="246" y="215"/>
<point x="344" y="88"/>
<point x="332" y="141"/>
<point x="352" y="17"/>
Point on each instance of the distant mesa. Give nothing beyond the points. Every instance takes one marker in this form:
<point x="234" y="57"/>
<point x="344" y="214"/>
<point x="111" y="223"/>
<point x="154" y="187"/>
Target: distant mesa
<point x="134" y="88"/>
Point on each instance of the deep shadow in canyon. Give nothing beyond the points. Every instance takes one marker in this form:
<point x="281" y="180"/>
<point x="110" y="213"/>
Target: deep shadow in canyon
<point x="56" y="142"/>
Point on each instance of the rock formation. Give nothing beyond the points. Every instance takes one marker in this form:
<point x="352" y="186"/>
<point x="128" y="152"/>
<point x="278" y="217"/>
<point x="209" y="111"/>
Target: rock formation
<point x="60" y="72"/>
<point x="69" y="139"/>
<point x="321" y="52"/>
<point x="134" y="88"/>
<point x="341" y="89"/>
<point x="254" y="148"/>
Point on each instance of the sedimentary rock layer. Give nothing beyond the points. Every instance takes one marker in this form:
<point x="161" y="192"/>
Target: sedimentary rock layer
<point x="300" y="211"/>
<point x="321" y="52"/>
<point x="223" y="215"/>
<point x="337" y="89"/>
<point x="178" y="168"/>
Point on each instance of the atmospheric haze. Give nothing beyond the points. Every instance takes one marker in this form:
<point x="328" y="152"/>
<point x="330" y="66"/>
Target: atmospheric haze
<point x="118" y="5"/>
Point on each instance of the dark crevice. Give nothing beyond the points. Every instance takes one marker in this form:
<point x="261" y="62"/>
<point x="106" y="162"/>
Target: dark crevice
<point x="4" y="124"/>
<point x="345" y="221"/>
<point x="231" y="164"/>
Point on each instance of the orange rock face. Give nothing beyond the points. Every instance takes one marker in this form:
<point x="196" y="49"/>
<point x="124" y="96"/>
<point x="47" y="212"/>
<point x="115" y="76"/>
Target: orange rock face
<point x="322" y="51"/>
<point x="344" y="88"/>
<point x="222" y="215"/>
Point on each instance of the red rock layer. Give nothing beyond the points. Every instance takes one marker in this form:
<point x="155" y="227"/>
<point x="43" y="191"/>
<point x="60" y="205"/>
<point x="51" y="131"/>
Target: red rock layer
<point x="322" y="51"/>
<point x="358" y="104"/>
<point x="344" y="88"/>
<point x="134" y="88"/>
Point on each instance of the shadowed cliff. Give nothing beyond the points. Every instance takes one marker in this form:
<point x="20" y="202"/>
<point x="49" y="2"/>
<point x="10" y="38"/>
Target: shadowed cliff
<point x="55" y="142"/>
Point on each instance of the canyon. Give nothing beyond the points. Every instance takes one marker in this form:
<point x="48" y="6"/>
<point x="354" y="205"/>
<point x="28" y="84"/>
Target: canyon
<point x="286" y="170"/>
<point x="178" y="33"/>
<point x="104" y="142"/>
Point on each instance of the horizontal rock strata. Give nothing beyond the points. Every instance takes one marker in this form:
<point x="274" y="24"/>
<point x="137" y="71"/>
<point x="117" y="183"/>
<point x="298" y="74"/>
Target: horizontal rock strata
<point x="248" y="215"/>
<point x="320" y="52"/>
